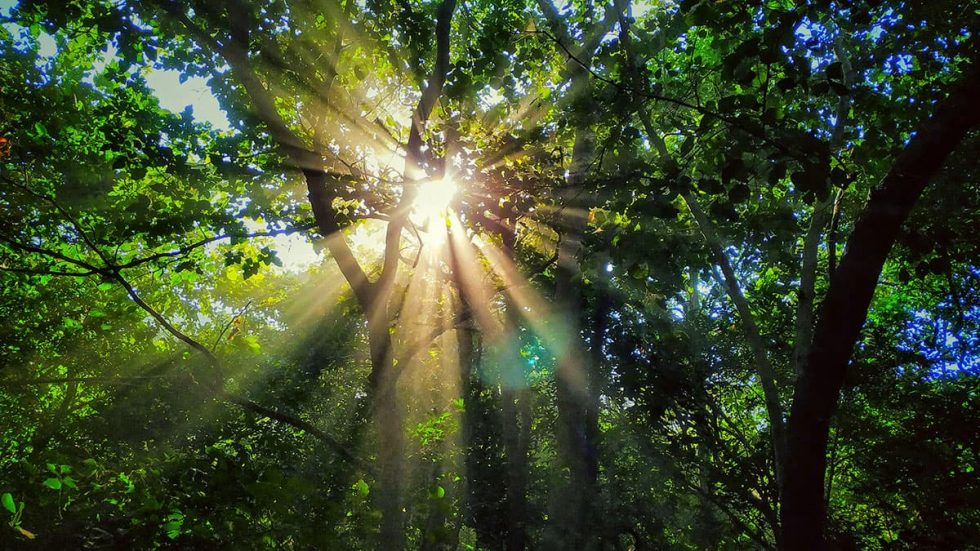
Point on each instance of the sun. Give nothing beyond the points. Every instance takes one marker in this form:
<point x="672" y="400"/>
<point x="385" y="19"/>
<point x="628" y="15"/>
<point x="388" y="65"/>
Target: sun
<point x="433" y="198"/>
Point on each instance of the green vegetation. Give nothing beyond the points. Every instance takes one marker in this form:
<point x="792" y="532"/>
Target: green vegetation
<point x="490" y="274"/>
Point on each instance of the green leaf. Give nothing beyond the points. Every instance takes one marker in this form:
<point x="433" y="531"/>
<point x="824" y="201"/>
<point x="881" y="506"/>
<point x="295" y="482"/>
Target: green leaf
<point x="769" y="55"/>
<point x="53" y="483"/>
<point x="437" y="492"/>
<point x="639" y="271"/>
<point x="8" y="503"/>
<point x="252" y="342"/>
<point x="802" y="65"/>
<point x="710" y="186"/>
<point x="172" y="528"/>
<point x="812" y="180"/>
<point x="739" y="193"/>
<point x="362" y="487"/>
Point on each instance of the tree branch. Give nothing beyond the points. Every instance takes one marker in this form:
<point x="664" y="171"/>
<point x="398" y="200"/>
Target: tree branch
<point x="811" y="242"/>
<point x="845" y="307"/>
<point x="39" y="271"/>
<point x="764" y="369"/>
<point x="197" y="244"/>
<point x="90" y="269"/>
<point x="310" y="162"/>
<point x="414" y="169"/>
<point x="215" y="386"/>
<point x="767" y="375"/>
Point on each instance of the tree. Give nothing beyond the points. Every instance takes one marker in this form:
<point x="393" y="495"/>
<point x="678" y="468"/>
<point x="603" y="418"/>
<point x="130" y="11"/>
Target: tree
<point x="488" y="275"/>
<point x="845" y="307"/>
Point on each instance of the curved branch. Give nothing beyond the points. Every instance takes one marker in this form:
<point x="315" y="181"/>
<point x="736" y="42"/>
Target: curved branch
<point x="39" y="271"/>
<point x="811" y="242"/>
<point x="301" y="424"/>
<point x="90" y="269"/>
<point x="845" y="308"/>
<point x="215" y="386"/>
<point x="219" y="392"/>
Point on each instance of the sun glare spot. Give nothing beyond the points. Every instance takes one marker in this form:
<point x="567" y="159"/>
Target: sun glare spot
<point x="433" y="199"/>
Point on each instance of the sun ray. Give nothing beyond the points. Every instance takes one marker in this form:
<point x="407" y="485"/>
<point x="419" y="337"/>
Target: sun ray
<point x="470" y="279"/>
<point x="546" y="320"/>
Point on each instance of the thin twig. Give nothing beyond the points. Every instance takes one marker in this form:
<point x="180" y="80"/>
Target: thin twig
<point x="187" y="248"/>
<point x="237" y="315"/>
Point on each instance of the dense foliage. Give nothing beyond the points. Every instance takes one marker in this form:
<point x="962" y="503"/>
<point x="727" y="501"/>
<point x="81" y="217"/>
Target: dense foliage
<point x="490" y="274"/>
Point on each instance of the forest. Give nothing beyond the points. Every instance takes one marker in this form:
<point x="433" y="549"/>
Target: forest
<point x="589" y="275"/>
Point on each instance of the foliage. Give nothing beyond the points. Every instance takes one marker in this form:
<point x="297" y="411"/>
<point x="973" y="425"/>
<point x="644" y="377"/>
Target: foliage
<point x="656" y="192"/>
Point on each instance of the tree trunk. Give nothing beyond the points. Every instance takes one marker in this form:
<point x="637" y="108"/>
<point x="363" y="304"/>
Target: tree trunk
<point x="482" y="444"/>
<point x="573" y="384"/>
<point x="516" y="416"/>
<point x="846" y="304"/>
<point x="466" y="344"/>
<point x="577" y="418"/>
<point x="515" y="398"/>
<point x="391" y="442"/>
<point x="515" y="410"/>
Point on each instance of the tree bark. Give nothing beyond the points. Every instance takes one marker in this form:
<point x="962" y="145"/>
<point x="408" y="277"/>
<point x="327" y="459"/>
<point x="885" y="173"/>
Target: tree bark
<point x="466" y="344"/>
<point x="572" y="371"/>
<point x="846" y="304"/>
